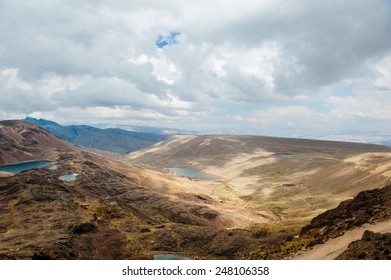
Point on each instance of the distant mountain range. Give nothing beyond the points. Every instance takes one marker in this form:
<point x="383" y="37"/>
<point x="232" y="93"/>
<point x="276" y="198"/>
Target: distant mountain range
<point x="110" y="139"/>
<point x="147" y="129"/>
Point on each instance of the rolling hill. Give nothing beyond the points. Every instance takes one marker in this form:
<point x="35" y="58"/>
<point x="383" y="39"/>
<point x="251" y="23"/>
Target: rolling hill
<point x="21" y="141"/>
<point x="286" y="181"/>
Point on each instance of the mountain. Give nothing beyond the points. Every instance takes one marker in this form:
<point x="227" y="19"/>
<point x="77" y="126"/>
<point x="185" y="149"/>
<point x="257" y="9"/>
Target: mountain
<point x="112" y="210"/>
<point x="21" y="141"/>
<point x="147" y="129"/>
<point x="284" y="181"/>
<point x="117" y="210"/>
<point x="111" y="139"/>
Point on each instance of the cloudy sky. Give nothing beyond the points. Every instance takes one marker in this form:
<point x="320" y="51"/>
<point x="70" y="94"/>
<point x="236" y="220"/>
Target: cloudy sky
<point x="286" y="68"/>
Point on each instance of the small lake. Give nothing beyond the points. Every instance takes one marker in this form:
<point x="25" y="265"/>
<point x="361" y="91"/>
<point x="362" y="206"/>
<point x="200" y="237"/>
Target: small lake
<point x="170" y="257"/>
<point x="19" y="167"/>
<point x="69" y="177"/>
<point x="193" y="173"/>
<point x="285" y="155"/>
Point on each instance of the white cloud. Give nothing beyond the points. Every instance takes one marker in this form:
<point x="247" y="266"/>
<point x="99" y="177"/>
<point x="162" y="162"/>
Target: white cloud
<point x="286" y="57"/>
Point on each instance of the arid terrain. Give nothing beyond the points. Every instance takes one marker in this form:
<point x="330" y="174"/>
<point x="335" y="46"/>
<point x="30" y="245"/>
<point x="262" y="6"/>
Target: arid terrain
<point x="279" y="181"/>
<point x="113" y="210"/>
<point x="267" y="190"/>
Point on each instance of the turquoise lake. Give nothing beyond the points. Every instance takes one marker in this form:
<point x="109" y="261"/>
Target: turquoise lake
<point x="69" y="177"/>
<point x="193" y="173"/>
<point x="285" y="155"/>
<point x="19" y="167"/>
<point x="170" y="257"/>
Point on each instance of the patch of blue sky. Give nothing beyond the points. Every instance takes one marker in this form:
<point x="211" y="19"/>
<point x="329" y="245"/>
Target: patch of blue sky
<point x="343" y="89"/>
<point x="167" y="40"/>
<point x="317" y="106"/>
<point x="236" y="109"/>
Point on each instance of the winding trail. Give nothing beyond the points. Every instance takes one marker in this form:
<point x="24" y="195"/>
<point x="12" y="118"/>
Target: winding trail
<point x="334" y="247"/>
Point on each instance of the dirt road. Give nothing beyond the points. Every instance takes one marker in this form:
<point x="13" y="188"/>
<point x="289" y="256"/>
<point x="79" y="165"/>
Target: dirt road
<point x="334" y="247"/>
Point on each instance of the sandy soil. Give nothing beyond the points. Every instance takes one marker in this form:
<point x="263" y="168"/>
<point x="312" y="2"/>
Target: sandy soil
<point x="5" y="174"/>
<point x="334" y="247"/>
<point x="174" y="141"/>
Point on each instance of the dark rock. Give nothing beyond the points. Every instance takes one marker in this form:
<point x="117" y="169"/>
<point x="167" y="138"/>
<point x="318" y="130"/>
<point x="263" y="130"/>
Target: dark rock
<point x="41" y="256"/>
<point x="260" y="234"/>
<point x="368" y="206"/>
<point x="83" y="228"/>
<point x="372" y="246"/>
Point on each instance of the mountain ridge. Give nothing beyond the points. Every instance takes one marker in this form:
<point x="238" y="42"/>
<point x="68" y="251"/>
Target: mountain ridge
<point x="21" y="141"/>
<point x="110" y="139"/>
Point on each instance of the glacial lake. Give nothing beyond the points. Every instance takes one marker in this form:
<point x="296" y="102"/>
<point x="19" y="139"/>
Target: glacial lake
<point x="69" y="177"/>
<point x="285" y="155"/>
<point x="170" y="257"/>
<point x="19" y="167"/>
<point x="193" y="173"/>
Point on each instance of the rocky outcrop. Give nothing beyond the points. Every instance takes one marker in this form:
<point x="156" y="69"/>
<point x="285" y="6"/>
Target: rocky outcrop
<point x="367" y="207"/>
<point x="372" y="246"/>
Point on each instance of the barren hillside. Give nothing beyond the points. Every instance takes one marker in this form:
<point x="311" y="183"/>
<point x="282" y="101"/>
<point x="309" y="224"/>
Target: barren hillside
<point x="287" y="181"/>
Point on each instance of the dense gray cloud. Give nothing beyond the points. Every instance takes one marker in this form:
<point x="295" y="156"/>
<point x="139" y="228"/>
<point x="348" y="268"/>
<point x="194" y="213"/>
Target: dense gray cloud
<point x="241" y="66"/>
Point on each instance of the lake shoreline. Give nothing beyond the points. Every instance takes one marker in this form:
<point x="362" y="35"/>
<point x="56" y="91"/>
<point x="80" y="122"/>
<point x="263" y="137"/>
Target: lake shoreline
<point x="27" y="165"/>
